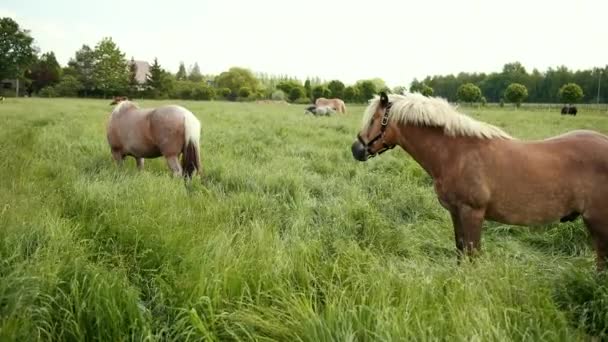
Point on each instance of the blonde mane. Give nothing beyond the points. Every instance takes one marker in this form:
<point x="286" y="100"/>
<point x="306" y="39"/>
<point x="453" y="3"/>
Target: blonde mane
<point x="123" y="106"/>
<point x="419" y="110"/>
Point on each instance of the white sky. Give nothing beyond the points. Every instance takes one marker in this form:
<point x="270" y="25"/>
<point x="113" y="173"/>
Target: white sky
<point x="395" y="40"/>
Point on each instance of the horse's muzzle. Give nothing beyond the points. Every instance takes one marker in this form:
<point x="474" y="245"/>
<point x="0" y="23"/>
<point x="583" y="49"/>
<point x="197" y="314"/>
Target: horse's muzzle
<point x="359" y="151"/>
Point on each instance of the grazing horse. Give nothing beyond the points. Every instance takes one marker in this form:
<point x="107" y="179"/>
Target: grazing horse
<point x="336" y="104"/>
<point x="569" y="110"/>
<point x="166" y="131"/>
<point x="482" y="173"/>
<point x="322" y="110"/>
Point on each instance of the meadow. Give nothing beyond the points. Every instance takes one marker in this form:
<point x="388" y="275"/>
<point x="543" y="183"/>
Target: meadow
<point x="286" y="238"/>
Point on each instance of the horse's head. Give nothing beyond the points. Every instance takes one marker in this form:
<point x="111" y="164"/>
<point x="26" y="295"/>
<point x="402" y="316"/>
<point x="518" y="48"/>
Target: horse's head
<point x="377" y="135"/>
<point x="118" y="99"/>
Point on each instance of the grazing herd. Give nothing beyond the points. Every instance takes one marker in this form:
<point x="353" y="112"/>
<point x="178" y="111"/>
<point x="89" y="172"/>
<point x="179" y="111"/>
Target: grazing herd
<point x="556" y="179"/>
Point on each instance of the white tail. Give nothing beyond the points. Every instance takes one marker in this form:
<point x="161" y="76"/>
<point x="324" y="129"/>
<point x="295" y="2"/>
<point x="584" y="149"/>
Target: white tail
<point x="191" y="154"/>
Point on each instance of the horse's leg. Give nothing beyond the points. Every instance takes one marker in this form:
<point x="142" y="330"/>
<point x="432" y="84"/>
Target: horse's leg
<point x="118" y="157"/>
<point x="173" y="163"/>
<point x="140" y="163"/>
<point x="598" y="229"/>
<point x="458" y="238"/>
<point x="471" y="220"/>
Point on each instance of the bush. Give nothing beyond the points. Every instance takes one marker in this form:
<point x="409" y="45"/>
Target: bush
<point x="244" y="92"/>
<point x="468" y="92"/>
<point x="484" y="101"/>
<point x="48" y="92"/>
<point x="296" y="93"/>
<point x="69" y="86"/>
<point x="278" y="95"/>
<point x="224" y="92"/>
<point x="516" y="93"/>
<point x="570" y="93"/>
<point x="203" y="92"/>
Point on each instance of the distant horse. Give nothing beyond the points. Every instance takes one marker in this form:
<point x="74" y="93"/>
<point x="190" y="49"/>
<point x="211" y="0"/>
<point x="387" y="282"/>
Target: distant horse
<point x="1" y="98"/>
<point x="569" y="110"/>
<point x="322" y="110"/>
<point x="166" y="131"/>
<point x="482" y="173"/>
<point x="336" y="104"/>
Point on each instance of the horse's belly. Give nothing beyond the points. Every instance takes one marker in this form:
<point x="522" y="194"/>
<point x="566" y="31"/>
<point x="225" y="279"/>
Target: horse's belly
<point x="144" y="152"/>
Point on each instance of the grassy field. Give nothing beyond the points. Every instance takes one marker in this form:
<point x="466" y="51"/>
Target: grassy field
<point x="287" y="239"/>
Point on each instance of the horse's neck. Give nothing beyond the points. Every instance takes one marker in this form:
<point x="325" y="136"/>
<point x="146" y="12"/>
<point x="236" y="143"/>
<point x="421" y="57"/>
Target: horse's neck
<point x="430" y="147"/>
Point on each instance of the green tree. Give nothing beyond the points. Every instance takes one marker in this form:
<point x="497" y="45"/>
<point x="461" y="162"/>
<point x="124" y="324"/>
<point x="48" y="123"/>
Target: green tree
<point x="308" y="88"/>
<point x="516" y="93"/>
<point x="426" y="90"/>
<point x="68" y="86"/>
<point x="82" y="66"/>
<point x="468" y="92"/>
<point x="110" y="72"/>
<point x="236" y="78"/>
<point x="203" y="92"/>
<point x="399" y="90"/>
<point x="367" y="90"/>
<point x="133" y="83"/>
<point x="337" y="88"/>
<point x="195" y="74"/>
<point x="351" y="94"/>
<point x="570" y="93"/>
<point x="181" y="73"/>
<point x="287" y="85"/>
<point x="17" y="51"/>
<point x="44" y="72"/>
<point x="320" y="91"/>
<point x="296" y="93"/>
<point x="244" y="92"/>
<point x="154" y="79"/>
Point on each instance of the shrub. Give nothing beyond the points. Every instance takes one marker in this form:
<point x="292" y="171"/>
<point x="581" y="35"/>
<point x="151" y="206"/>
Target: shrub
<point x="278" y="95"/>
<point x="48" y="91"/>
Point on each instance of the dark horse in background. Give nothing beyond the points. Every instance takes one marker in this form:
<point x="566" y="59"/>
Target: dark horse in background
<point x="569" y="110"/>
<point x="481" y="173"/>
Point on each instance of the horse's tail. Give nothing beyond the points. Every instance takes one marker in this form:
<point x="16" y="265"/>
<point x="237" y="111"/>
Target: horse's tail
<point x="191" y="159"/>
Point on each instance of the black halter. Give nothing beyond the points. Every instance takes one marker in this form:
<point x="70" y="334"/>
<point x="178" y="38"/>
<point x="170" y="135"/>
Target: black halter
<point x="385" y="146"/>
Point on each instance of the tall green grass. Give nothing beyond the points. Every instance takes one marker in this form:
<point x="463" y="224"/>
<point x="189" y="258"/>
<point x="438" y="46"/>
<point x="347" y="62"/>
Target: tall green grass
<point x="287" y="238"/>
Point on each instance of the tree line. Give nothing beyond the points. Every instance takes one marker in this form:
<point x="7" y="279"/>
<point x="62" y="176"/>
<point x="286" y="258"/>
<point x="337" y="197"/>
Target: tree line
<point x="541" y="87"/>
<point x="103" y="70"/>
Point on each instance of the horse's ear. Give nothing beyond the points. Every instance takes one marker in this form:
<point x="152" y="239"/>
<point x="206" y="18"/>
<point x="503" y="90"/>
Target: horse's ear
<point x="383" y="100"/>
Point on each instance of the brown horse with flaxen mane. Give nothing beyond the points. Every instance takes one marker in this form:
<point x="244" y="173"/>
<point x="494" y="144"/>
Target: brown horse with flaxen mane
<point x="482" y="173"/>
<point x="337" y="104"/>
<point x="166" y="131"/>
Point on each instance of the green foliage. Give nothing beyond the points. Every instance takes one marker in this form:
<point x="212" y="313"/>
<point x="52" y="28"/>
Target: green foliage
<point x="224" y="92"/>
<point x="133" y="82"/>
<point x="426" y="90"/>
<point x="351" y="94"/>
<point x="82" y="66"/>
<point x="336" y="88"/>
<point x="195" y="73"/>
<point x="543" y="86"/>
<point x="399" y="90"/>
<point x="570" y="93"/>
<point x="17" y="51"/>
<point x="484" y="101"/>
<point x="110" y="70"/>
<point x="203" y="92"/>
<point x="278" y="95"/>
<point x="244" y="92"/>
<point x="235" y="79"/>
<point x="48" y="91"/>
<point x="181" y="74"/>
<point x="308" y="88"/>
<point x="320" y="91"/>
<point x="516" y="93"/>
<point x="469" y="92"/>
<point x="68" y="86"/>
<point x="296" y="93"/>
<point x="288" y="85"/>
<point x="367" y="90"/>
<point x="44" y="72"/>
